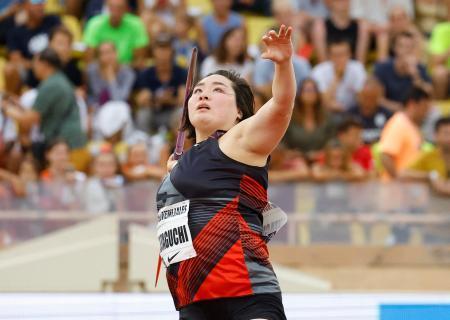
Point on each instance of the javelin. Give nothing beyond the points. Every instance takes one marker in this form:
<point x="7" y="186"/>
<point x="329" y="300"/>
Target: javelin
<point x="189" y="83"/>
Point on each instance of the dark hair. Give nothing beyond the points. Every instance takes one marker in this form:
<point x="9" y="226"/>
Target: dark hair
<point x="416" y="94"/>
<point x="49" y="56"/>
<point x="54" y="142"/>
<point x="163" y="40"/>
<point x="339" y="41"/>
<point x="63" y="30"/>
<point x="441" y="122"/>
<point x="245" y="101"/>
<point x="347" y="124"/>
<point x="402" y="34"/>
<point x="319" y="110"/>
<point x="334" y="143"/>
<point x="221" y="51"/>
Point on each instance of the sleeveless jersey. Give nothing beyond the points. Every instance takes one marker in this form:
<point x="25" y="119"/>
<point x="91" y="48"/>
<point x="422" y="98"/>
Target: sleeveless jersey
<point x="225" y="219"/>
<point x="349" y="34"/>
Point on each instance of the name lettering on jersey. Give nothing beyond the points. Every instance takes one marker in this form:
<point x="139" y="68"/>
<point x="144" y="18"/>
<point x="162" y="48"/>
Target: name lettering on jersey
<point x="175" y="241"/>
<point x="173" y="237"/>
<point x="172" y="212"/>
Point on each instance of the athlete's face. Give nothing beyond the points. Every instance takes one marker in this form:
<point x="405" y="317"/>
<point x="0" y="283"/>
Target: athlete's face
<point x="212" y="105"/>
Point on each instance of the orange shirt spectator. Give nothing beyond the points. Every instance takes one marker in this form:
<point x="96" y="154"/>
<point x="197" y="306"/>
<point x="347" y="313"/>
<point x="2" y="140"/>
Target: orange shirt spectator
<point x="401" y="139"/>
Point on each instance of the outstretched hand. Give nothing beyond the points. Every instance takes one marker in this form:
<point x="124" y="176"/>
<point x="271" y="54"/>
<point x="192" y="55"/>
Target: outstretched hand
<point x="278" y="46"/>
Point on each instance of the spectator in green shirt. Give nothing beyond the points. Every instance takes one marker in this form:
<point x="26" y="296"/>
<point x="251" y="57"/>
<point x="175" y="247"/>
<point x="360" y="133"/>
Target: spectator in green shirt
<point x="124" y="29"/>
<point x="55" y="109"/>
<point x="439" y="48"/>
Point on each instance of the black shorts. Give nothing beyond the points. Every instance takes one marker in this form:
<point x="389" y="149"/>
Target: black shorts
<point x="259" y="306"/>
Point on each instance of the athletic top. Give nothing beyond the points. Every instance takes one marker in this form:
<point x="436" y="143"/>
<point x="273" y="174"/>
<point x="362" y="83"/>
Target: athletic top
<point x="225" y="219"/>
<point x="349" y="34"/>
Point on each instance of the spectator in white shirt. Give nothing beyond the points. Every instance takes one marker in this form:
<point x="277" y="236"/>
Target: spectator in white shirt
<point x="339" y="78"/>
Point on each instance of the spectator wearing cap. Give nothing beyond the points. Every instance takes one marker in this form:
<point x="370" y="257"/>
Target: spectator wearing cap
<point x="55" y="109"/>
<point x="434" y="165"/>
<point x="368" y="110"/>
<point x="399" y="74"/>
<point x="112" y="125"/>
<point x="160" y="88"/>
<point x="401" y="138"/>
<point x="219" y="21"/>
<point x="24" y="41"/>
<point x="125" y="30"/>
<point x="230" y="54"/>
<point x="340" y="78"/>
<point x="107" y="79"/>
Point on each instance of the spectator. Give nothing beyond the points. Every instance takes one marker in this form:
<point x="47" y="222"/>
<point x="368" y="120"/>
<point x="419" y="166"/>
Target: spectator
<point x="23" y="41"/>
<point x="183" y="43"/>
<point x="219" y="21"/>
<point x="162" y="11"/>
<point x="376" y="13"/>
<point x="401" y="137"/>
<point x="102" y="192"/>
<point x="349" y="134"/>
<point x="368" y="110"/>
<point x="264" y="71"/>
<point x="160" y="88"/>
<point x="337" y="165"/>
<point x="339" y="26"/>
<point x="284" y="12"/>
<point x="400" y="22"/>
<point x="112" y="127"/>
<point x="439" y="48"/>
<point x="340" y="78"/>
<point x="399" y="74"/>
<point x="8" y="10"/>
<point x="310" y="9"/>
<point x="125" y="30"/>
<point x="61" y="41"/>
<point x="434" y="165"/>
<point x="311" y="126"/>
<point x="55" y="109"/>
<point x="59" y="168"/>
<point x="138" y="167"/>
<point x="62" y="184"/>
<point x="230" y="54"/>
<point x="107" y="79"/>
<point x="287" y="165"/>
<point x="253" y="6"/>
<point x="429" y="13"/>
<point x="25" y="182"/>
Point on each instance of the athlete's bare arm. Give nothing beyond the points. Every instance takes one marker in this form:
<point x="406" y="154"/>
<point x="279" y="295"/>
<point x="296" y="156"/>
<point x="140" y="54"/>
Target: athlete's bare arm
<point x="253" y="139"/>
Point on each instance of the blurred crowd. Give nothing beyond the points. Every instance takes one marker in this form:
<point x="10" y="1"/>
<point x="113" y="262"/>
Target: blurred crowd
<point x="92" y="91"/>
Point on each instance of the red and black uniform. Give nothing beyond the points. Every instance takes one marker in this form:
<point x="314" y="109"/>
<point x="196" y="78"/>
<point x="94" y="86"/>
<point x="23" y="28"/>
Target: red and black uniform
<point x="225" y="218"/>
